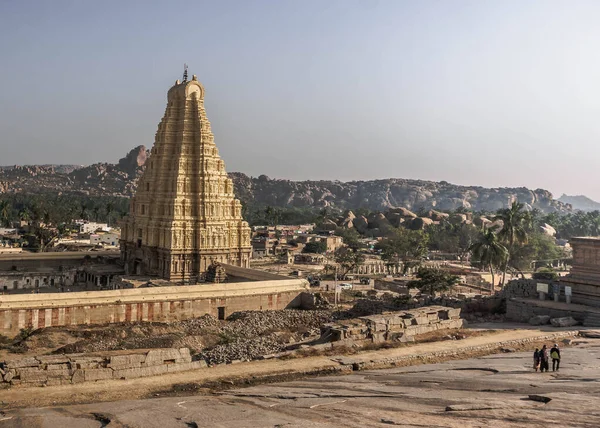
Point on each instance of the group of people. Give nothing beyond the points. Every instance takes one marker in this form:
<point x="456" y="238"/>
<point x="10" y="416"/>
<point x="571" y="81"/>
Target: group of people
<point x="541" y="358"/>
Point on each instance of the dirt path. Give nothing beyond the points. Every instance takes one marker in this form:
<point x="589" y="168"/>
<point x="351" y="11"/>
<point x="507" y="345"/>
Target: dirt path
<point x="251" y="372"/>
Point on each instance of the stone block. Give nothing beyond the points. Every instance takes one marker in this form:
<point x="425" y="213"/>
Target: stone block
<point x="185" y="354"/>
<point x="32" y="375"/>
<point x="61" y="373"/>
<point x="87" y="362"/>
<point x="53" y="359"/>
<point x="97" y="374"/>
<point x="432" y="316"/>
<point x="564" y="322"/>
<point x="378" y="337"/>
<point x="58" y="367"/>
<point x="126" y="361"/>
<point x="9" y="375"/>
<point x="421" y="320"/>
<point x="140" y="372"/>
<point x="78" y="376"/>
<point x="23" y="362"/>
<point x="159" y="356"/>
<point x="539" y="320"/>
<point x="454" y="313"/>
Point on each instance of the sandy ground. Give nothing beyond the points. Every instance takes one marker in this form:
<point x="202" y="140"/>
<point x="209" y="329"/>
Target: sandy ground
<point x="489" y="391"/>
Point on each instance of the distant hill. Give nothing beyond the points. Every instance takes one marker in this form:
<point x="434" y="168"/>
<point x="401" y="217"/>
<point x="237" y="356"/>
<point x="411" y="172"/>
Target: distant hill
<point x="120" y="179"/>
<point x="580" y="202"/>
<point x="63" y="169"/>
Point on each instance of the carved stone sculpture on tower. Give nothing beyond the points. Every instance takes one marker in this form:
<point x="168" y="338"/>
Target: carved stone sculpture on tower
<point x="184" y="214"/>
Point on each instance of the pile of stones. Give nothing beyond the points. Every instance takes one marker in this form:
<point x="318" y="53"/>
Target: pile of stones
<point x="519" y="288"/>
<point x="242" y="350"/>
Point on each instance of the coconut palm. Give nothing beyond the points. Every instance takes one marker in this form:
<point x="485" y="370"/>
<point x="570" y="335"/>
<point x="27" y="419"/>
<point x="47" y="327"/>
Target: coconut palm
<point x="5" y="213"/>
<point x="490" y="252"/>
<point x="515" y="223"/>
<point x="110" y="208"/>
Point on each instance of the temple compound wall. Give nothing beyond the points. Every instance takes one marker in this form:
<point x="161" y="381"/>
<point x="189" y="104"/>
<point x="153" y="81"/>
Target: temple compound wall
<point x="584" y="278"/>
<point x="169" y="303"/>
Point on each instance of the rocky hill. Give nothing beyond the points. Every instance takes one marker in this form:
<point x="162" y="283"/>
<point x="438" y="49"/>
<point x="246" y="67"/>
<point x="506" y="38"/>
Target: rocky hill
<point x="381" y="195"/>
<point x="105" y="179"/>
<point x="580" y="202"/>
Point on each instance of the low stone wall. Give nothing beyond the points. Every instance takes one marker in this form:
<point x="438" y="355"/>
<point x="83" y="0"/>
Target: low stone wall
<point x="77" y="368"/>
<point x="522" y="288"/>
<point x="395" y="326"/>
<point x="522" y="310"/>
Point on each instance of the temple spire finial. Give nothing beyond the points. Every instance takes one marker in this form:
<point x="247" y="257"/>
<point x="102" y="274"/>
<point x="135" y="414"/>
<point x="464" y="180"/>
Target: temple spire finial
<point x="185" y="72"/>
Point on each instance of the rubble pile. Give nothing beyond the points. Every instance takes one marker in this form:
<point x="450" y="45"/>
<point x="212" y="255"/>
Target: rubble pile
<point x="243" y="350"/>
<point x="252" y="323"/>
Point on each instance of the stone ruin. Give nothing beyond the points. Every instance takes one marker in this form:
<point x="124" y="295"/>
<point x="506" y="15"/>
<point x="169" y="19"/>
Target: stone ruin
<point x="216" y="273"/>
<point x="66" y="369"/>
<point x="401" y="326"/>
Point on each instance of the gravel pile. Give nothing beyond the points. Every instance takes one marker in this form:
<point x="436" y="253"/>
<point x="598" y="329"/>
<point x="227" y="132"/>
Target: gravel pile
<point x="242" y="350"/>
<point x="251" y="324"/>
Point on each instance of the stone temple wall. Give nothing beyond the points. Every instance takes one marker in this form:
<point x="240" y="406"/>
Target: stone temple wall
<point x="145" y="304"/>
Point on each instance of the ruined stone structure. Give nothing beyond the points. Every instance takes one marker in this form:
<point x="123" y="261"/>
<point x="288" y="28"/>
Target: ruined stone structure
<point x="584" y="277"/>
<point x="184" y="214"/>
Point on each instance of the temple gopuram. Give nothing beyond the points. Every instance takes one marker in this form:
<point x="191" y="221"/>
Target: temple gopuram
<point x="184" y="215"/>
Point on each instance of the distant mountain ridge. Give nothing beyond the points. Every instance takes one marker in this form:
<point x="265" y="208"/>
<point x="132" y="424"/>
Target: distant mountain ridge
<point x="106" y="179"/>
<point x="580" y="202"/>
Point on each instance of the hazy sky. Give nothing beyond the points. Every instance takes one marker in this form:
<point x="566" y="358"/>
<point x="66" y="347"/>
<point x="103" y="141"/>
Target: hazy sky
<point x="492" y="93"/>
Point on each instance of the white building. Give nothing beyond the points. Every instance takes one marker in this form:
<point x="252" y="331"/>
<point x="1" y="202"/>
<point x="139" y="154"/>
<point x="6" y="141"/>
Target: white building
<point x="111" y="238"/>
<point x="91" y="227"/>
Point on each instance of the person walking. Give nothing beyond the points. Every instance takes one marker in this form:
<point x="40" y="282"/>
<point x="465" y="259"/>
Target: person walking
<point x="544" y="360"/>
<point x="536" y="359"/>
<point x="555" y="355"/>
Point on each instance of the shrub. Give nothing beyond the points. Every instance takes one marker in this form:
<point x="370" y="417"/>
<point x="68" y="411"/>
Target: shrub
<point x="547" y="274"/>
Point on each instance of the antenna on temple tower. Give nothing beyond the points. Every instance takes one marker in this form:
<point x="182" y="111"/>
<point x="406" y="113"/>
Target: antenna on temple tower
<point x="185" y="74"/>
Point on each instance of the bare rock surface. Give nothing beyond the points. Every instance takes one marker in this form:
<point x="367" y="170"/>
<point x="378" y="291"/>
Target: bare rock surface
<point x="498" y="390"/>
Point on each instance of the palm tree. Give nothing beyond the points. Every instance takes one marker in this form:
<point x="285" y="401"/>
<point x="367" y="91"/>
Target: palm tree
<point x="515" y="223"/>
<point x="110" y="208"/>
<point x="490" y="252"/>
<point x="25" y="215"/>
<point x="5" y="213"/>
<point x="84" y="211"/>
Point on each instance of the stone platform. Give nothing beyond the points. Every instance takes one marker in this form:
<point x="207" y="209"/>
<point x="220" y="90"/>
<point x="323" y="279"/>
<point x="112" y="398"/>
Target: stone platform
<point x="522" y="310"/>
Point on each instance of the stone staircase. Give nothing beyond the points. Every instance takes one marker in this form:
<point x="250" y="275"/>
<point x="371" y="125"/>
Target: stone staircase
<point x="592" y="319"/>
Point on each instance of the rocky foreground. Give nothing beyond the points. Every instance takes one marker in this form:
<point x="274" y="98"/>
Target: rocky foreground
<point x="105" y="179"/>
<point x="498" y="390"/>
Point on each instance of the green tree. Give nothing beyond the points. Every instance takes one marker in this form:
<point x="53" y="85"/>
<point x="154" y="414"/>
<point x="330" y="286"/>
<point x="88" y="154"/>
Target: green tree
<point x="489" y="252"/>
<point x="348" y="259"/>
<point x="5" y="213"/>
<point x="318" y="247"/>
<point x="404" y="245"/>
<point x="350" y="238"/>
<point x="515" y="222"/>
<point x="430" y="281"/>
<point x="110" y="208"/>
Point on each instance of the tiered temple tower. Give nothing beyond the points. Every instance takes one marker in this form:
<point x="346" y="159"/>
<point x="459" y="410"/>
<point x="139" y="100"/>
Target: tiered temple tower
<point x="184" y="214"/>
